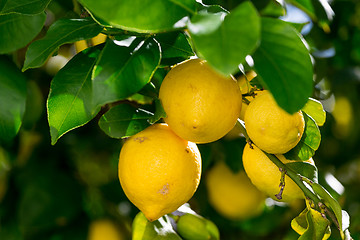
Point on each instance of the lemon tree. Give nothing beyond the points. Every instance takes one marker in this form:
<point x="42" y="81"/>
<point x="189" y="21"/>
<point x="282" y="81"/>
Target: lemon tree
<point x="156" y="114"/>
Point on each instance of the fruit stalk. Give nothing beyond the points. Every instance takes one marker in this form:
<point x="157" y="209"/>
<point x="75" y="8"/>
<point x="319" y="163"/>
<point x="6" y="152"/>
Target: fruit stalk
<point x="298" y="179"/>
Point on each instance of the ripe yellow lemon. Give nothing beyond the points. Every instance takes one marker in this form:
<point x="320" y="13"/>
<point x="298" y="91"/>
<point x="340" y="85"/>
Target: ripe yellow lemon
<point x="158" y="170"/>
<point x="265" y="175"/>
<point x="104" y="229"/>
<point x="200" y="104"/>
<point x="232" y="194"/>
<point x="270" y="127"/>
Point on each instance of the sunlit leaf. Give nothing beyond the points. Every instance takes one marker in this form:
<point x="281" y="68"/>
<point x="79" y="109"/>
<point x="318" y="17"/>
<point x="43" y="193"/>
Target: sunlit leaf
<point x="61" y="32"/>
<point x="141" y="15"/>
<point x="219" y="38"/>
<point x="315" y="109"/>
<point x="70" y="102"/>
<point x="160" y="229"/>
<point x="310" y="224"/>
<point x="123" y="68"/>
<point x="124" y="121"/>
<point x="309" y="142"/>
<point x="283" y="64"/>
<point x="333" y="204"/>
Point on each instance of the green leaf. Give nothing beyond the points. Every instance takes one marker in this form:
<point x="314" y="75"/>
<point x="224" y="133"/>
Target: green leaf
<point x="61" y="32"/>
<point x="17" y="30"/>
<point x="283" y="64"/>
<point x="311" y="225"/>
<point x="148" y="16"/>
<point x="124" y="121"/>
<point x="29" y="7"/>
<point x="315" y="109"/>
<point x="69" y="103"/>
<point x="225" y="40"/>
<point x="123" y="68"/>
<point x="175" y="47"/>
<point x="317" y="10"/>
<point x="309" y="142"/>
<point x="193" y="226"/>
<point x="160" y="229"/>
<point x="12" y="99"/>
<point x="159" y="112"/>
<point x="334" y="206"/>
<point x="304" y="169"/>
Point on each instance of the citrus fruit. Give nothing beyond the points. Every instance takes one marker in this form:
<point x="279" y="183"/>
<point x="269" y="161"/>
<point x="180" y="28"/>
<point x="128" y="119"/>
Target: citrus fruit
<point x="98" y="39"/>
<point x="232" y="194"/>
<point x="244" y="105"/>
<point x="201" y="105"/>
<point x="265" y="175"/>
<point x="158" y="170"/>
<point x="104" y="229"/>
<point x="270" y="127"/>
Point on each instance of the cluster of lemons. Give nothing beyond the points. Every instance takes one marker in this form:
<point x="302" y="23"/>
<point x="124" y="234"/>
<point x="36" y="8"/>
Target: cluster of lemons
<point x="160" y="167"/>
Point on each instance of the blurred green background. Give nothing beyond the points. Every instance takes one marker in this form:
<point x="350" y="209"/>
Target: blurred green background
<point x="56" y="192"/>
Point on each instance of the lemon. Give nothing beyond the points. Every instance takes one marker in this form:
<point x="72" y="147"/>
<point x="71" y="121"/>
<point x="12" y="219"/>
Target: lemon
<point x="265" y="175"/>
<point x="104" y="229"/>
<point x="270" y="127"/>
<point x="201" y="105"/>
<point x="249" y="99"/>
<point x="98" y="39"/>
<point x="232" y="194"/>
<point x="158" y="170"/>
<point x="81" y="45"/>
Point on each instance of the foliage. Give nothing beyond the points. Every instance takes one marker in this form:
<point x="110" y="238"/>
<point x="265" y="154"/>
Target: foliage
<point x="110" y="91"/>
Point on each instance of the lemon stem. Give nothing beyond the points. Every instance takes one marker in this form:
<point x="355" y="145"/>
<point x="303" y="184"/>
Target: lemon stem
<point x="297" y="178"/>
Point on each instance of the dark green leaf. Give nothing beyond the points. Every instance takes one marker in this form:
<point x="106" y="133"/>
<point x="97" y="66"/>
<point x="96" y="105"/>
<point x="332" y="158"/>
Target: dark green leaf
<point x="12" y="99"/>
<point x="159" y="112"/>
<point x="61" y="32"/>
<point x="17" y="30"/>
<point x="141" y="15"/>
<point x="309" y="142"/>
<point x="225" y="40"/>
<point x="174" y="46"/>
<point x="34" y="105"/>
<point x="283" y="64"/>
<point x="30" y="7"/>
<point x="315" y="109"/>
<point x="69" y="103"/>
<point x="305" y="169"/>
<point x="124" y="121"/>
<point x="160" y="229"/>
<point x="123" y="68"/>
